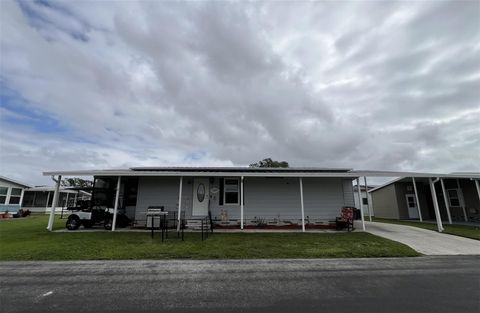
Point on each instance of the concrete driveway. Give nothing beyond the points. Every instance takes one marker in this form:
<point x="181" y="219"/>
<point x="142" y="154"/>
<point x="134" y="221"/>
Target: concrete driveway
<point x="425" y="241"/>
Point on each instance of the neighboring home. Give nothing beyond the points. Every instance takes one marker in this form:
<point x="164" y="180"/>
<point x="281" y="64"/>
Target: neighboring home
<point x="366" y="202"/>
<point x="11" y="194"/>
<point x="39" y="199"/>
<point x="406" y="198"/>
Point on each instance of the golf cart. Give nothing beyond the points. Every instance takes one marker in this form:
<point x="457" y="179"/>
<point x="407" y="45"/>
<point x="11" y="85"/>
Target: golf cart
<point x="89" y="215"/>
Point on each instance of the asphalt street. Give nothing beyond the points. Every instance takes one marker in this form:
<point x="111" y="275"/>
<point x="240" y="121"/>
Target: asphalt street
<point x="423" y="284"/>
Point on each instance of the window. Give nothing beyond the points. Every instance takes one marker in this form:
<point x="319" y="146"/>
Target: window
<point x="40" y="200"/>
<point x="3" y="194"/>
<point x="411" y="202"/>
<point x="453" y="197"/>
<point x="230" y="191"/>
<point x="365" y="201"/>
<point x="28" y="199"/>
<point x="15" y="196"/>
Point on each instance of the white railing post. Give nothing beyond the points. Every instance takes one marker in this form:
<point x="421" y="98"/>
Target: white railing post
<point x="438" y="217"/>
<point x="416" y="199"/>
<point x="179" y="219"/>
<point x="361" y="203"/>
<point x="301" y="204"/>
<point x="241" y="203"/>
<point x="115" y="207"/>
<point x="368" y="201"/>
<point x="54" y="204"/>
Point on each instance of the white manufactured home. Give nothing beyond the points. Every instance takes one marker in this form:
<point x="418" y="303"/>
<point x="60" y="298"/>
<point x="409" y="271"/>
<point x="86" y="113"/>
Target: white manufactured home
<point x="233" y="196"/>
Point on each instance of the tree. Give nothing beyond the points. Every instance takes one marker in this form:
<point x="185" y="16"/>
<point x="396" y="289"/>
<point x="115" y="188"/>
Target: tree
<point x="268" y="162"/>
<point x="76" y="182"/>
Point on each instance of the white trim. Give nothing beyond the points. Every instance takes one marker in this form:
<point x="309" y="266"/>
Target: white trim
<point x="19" y="196"/>
<point x="9" y="192"/>
<point x="445" y="199"/>
<point x="14" y="181"/>
<point x="115" y="206"/>
<point x="223" y="172"/>
<point x="301" y="203"/>
<point x="225" y="190"/>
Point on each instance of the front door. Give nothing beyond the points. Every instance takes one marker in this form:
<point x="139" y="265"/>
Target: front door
<point x="200" y="196"/>
<point x="412" y="206"/>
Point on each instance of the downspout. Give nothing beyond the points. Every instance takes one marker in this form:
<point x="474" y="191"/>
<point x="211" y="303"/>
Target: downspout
<point x="435" y="204"/>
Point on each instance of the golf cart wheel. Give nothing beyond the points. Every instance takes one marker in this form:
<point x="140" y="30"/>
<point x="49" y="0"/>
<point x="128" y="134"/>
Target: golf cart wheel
<point x="73" y="223"/>
<point x="108" y="224"/>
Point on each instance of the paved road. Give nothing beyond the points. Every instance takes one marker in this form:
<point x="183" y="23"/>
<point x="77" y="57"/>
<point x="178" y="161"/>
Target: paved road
<point x="424" y="284"/>
<point x="425" y="241"/>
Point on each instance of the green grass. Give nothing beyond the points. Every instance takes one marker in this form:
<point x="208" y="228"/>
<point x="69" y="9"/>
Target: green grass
<point x="472" y="232"/>
<point x="27" y="239"/>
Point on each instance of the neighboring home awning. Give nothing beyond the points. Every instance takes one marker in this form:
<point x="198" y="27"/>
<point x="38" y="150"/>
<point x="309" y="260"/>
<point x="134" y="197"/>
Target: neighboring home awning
<point x="408" y="178"/>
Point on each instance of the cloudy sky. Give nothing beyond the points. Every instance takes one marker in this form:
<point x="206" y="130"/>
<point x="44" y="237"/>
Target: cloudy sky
<point x="367" y="85"/>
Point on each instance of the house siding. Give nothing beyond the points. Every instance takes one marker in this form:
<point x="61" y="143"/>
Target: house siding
<point x="263" y="197"/>
<point x="163" y="191"/>
<point x="348" y="194"/>
<point x="324" y="197"/>
<point x="385" y="202"/>
<point x="280" y="198"/>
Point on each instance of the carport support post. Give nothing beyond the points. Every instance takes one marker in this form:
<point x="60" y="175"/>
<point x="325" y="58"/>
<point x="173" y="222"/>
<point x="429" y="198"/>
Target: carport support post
<point x="54" y="203"/>
<point x="446" y="202"/>
<point x="301" y="204"/>
<point x="368" y="201"/>
<point x="478" y="188"/>
<point x="241" y="202"/>
<point x="462" y="200"/>
<point x="416" y="199"/>
<point x="359" y="192"/>
<point x="435" y="204"/>
<point x="48" y="199"/>
<point x="179" y="215"/>
<point x="115" y="207"/>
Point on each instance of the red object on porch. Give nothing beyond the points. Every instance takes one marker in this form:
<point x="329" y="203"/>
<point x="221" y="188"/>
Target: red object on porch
<point x="346" y="218"/>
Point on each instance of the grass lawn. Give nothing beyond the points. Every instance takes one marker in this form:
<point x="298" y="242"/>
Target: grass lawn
<point x="459" y="230"/>
<point x="27" y="239"/>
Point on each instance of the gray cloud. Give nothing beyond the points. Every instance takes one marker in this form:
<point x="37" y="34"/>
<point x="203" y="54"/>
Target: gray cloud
<point x="363" y="85"/>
